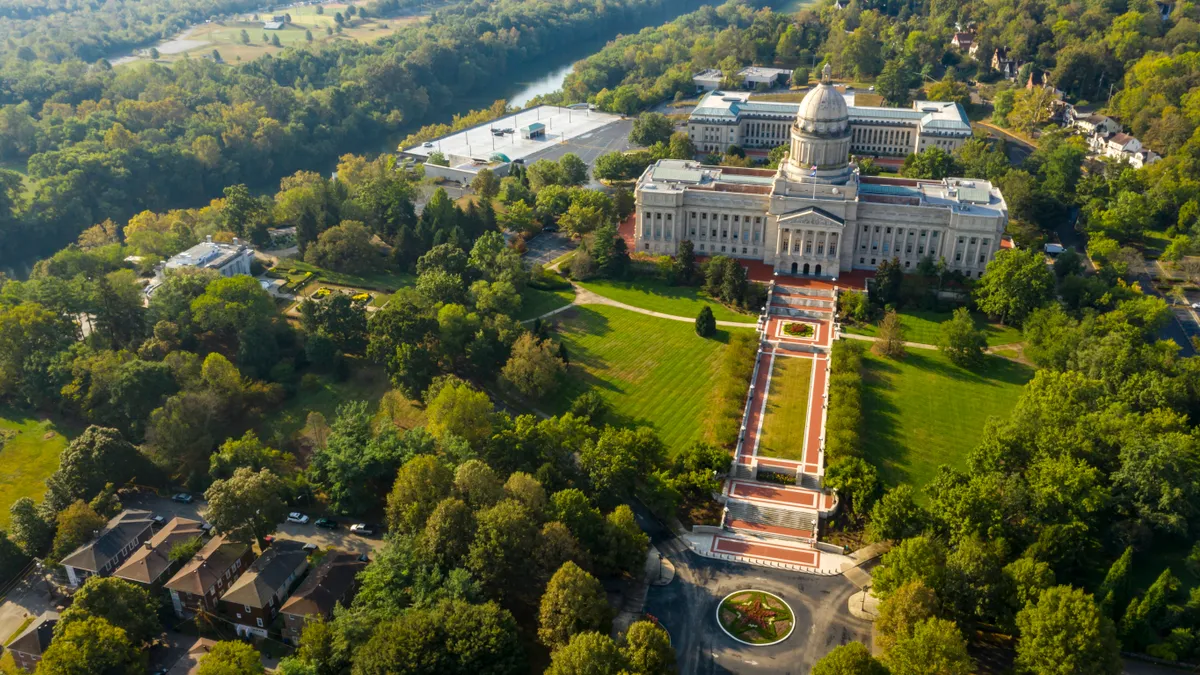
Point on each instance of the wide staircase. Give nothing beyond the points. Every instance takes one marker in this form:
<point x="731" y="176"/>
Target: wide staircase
<point x="814" y="303"/>
<point x="795" y="524"/>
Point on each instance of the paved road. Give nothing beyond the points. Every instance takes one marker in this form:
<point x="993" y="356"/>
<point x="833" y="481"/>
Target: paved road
<point x="687" y="607"/>
<point x="589" y="146"/>
<point x="340" y="538"/>
<point x="547" y="246"/>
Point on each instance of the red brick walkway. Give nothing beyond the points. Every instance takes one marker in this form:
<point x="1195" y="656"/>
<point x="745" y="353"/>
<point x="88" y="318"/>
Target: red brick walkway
<point x="783" y="554"/>
<point x="816" y="417"/>
<point x="756" y="408"/>
<point x="791" y="497"/>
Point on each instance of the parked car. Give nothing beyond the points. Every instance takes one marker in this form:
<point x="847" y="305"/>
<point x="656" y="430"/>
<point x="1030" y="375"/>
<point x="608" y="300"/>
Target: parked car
<point x="1196" y="305"/>
<point x="362" y="528"/>
<point x="427" y="145"/>
<point x="297" y="517"/>
<point x="183" y="498"/>
<point x="326" y="523"/>
<point x="310" y="547"/>
<point x="159" y="521"/>
<point x="206" y="528"/>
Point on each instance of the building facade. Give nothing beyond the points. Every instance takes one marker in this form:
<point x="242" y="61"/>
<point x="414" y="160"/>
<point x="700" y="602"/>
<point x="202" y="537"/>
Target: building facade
<point x="722" y="119"/>
<point x="334" y="581"/>
<point x="254" y="599"/>
<point x="814" y="215"/>
<point x="200" y="583"/>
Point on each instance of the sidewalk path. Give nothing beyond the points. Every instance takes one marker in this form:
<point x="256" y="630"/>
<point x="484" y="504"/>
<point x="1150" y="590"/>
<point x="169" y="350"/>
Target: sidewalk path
<point x="992" y="349"/>
<point x="585" y="297"/>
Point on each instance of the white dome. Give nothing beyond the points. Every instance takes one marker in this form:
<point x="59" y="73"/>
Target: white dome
<point x="823" y="112"/>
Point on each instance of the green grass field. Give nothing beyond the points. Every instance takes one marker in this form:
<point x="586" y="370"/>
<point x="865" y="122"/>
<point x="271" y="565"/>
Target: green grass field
<point x="366" y="383"/>
<point x="923" y="411"/>
<point x="787" y="409"/>
<point x="386" y="282"/>
<point x="650" y="371"/>
<point x="536" y="302"/>
<point x="657" y="296"/>
<point x="28" y="455"/>
<point x="924" y="326"/>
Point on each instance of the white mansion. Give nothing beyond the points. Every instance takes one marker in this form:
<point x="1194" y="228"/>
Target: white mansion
<point x="815" y="215"/>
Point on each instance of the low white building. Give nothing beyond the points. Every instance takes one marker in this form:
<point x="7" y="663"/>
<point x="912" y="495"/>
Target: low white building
<point x="1097" y="124"/>
<point x="754" y="76"/>
<point x="1122" y="146"/>
<point x="227" y="259"/>
<point x="707" y="80"/>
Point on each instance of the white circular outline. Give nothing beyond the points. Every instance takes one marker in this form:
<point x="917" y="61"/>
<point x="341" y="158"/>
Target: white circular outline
<point x="755" y="644"/>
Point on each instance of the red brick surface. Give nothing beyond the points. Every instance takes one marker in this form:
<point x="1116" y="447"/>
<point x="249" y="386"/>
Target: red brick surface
<point x="794" y="556"/>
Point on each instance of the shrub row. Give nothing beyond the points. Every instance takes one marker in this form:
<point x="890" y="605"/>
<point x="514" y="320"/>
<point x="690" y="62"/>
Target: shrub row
<point x="843" y="424"/>
<point x="737" y="367"/>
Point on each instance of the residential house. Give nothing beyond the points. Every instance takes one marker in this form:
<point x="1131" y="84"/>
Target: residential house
<point x="1122" y="146"/>
<point x="28" y="647"/>
<point x="149" y="564"/>
<point x="973" y="51"/>
<point x="254" y="599"/>
<point x="332" y="582"/>
<point x="1005" y="64"/>
<point x="200" y="583"/>
<point x="962" y="41"/>
<point x="111" y="546"/>
<point x="1097" y="124"/>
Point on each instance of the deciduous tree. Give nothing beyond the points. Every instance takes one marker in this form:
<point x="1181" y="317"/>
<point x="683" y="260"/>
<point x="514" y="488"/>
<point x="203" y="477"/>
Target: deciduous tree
<point x="574" y="602"/>
<point x="247" y="506"/>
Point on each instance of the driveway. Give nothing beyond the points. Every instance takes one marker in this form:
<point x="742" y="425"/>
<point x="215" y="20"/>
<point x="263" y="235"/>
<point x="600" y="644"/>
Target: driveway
<point x="547" y="246"/>
<point x="340" y="538"/>
<point x="687" y="609"/>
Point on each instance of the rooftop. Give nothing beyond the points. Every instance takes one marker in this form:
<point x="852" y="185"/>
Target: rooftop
<point x="36" y="638"/>
<point x="149" y="562"/>
<point x="267" y="575"/>
<point x="116" y="535"/>
<point x="761" y="71"/>
<point x="209" y="563"/>
<point x="326" y="586"/>
<point x="932" y="115"/>
<point x="208" y="254"/>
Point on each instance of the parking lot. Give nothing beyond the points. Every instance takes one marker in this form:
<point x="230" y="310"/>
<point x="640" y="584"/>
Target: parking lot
<point x="340" y="538"/>
<point x="590" y="145"/>
<point x="546" y="247"/>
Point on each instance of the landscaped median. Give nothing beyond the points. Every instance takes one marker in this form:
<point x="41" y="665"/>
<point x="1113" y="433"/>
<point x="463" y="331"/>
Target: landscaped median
<point x="756" y="618"/>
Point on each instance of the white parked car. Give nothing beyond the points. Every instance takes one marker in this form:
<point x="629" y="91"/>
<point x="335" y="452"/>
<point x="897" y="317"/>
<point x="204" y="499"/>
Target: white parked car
<point x="362" y="528"/>
<point x="297" y="517"/>
<point x="1196" y="305"/>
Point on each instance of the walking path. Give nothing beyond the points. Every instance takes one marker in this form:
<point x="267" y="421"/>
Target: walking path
<point x="585" y="297"/>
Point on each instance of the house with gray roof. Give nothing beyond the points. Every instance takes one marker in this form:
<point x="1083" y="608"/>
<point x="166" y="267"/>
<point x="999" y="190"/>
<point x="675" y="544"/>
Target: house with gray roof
<point x="331" y="582"/>
<point x="28" y="647"/>
<point x="111" y="546"/>
<point x="255" y="598"/>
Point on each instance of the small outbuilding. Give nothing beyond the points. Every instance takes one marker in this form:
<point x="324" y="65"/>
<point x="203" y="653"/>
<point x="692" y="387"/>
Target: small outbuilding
<point x="534" y="130"/>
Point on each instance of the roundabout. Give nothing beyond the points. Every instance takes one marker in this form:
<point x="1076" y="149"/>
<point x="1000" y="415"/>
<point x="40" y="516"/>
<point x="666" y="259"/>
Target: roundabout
<point x="755" y="618"/>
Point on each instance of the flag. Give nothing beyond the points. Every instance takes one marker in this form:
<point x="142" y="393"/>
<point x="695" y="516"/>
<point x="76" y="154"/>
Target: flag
<point x="814" y="170"/>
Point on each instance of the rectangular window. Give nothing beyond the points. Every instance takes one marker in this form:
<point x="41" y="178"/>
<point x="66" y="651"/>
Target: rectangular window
<point x="247" y="608"/>
<point x="668" y="216"/>
<point x="981" y="257"/>
<point x="973" y="240"/>
<point x="957" y="257"/>
<point x="693" y="215"/>
<point x="693" y="231"/>
<point x="703" y="216"/>
<point x="862" y="261"/>
<point x="743" y="250"/>
<point x="889" y="231"/>
<point x="872" y="261"/>
<point x="701" y="247"/>
<point x="259" y="622"/>
<point x="735" y="219"/>
<point x="725" y="217"/>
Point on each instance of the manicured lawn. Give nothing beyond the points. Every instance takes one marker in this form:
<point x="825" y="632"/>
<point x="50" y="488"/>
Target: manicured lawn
<point x="924" y="326"/>
<point x="923" y="411"/>
<point x="657" y="296"/>
<point x="29" y="448"/>
<point x="787" y="409"/>
<point x="650" y="371"/>
<point x="366" y="383"/>
<point x="536" y="302"/>
<point x="387" y="282"/>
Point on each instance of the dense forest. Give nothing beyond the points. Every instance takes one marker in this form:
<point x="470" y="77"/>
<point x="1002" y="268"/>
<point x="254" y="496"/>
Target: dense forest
<point x="106" y="144"/>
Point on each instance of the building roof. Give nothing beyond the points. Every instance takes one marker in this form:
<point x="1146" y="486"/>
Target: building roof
<point x="36" y="638"/>
<point x="273" y="25"/>
<point x="267" y="575"/>
<point x="963" y="38"/>
<point x="189" y="663"/>
<point x="326" y="586"/>
<point x="124" y="528"/>
<point x="209" y="563"/>
<point x="534" y="126"/>
<point x="1096" y="119"/>
<point x="710" y="75"/>
<point x="1122" y="139"/>
<point x="149" y="562"/>
<point x="938" y="116"/>
<point x="208" y="254"/>
<point x="762" y="71"/>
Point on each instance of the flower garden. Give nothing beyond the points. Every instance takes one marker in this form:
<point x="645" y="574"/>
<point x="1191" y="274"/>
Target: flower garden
<point x="800" y="330"/>
<point x="755" y="617"/>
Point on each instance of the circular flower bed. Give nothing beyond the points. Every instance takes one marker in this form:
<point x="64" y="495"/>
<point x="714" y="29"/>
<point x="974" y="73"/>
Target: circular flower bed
<point x="755" y="617"/>
<point x="803" y="330"/>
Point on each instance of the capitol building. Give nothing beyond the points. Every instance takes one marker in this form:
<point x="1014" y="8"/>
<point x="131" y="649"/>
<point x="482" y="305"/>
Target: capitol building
<point x="815" y="215"/>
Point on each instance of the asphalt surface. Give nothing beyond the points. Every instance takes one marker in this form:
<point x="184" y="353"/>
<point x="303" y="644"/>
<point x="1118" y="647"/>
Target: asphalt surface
<point x="687" y="609"/>
<point x="590" y="145"/>
<point x="547" y="246"/>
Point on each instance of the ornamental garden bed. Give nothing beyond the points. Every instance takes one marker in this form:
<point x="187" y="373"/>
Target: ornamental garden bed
<point x="799" y="330"/>
<point x="755" y="617"/>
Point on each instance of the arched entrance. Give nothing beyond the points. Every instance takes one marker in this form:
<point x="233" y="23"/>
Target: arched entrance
<point x="805" y="269"/>
<point x="817" y="270"/>
<point x="793" y="268"/>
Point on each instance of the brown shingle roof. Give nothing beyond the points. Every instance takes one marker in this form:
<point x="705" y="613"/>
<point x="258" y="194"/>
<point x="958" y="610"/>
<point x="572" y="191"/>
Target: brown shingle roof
<point x="116" y="535"/>
<point x="36" y="638"/>
<point x="267" y="575"/>
<point x="202" y="571"/>
<point x="149" y="562"/>
<point x="326" y="586"/>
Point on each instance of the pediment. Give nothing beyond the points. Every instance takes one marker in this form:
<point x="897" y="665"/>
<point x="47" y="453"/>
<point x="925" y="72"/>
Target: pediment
<point x="810" y="215"/>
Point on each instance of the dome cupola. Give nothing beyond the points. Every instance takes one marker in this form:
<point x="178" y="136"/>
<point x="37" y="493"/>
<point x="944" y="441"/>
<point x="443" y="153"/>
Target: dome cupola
<point x="820" y="143"/>
<point x="823" y="111"/>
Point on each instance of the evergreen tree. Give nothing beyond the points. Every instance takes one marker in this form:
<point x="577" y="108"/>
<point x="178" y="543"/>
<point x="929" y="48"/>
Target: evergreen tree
<point x="706" y="323"/>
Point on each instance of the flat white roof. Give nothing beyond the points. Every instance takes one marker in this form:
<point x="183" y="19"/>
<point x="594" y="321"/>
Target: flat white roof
<point x="479" y="143"/>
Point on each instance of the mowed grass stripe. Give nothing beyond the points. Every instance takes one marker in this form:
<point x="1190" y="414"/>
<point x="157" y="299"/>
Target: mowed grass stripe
<point x="650" y="371"/>
<point x="923" y="411"/>
<point x="787" y="408"/>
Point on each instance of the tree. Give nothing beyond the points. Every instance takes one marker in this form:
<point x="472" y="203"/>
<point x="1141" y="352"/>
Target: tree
<point x="452" y="637"/>
<point x="275" y="41"/>
<point x="650" y="128"/>
<point x="852" y="658"/>
<point x="903" y="610"/>
<point x="890" y="342"/>
<point x="625" y="544"/>
<point x="856" y="482"/>
<point x="948" y="89"/>
<point x="706" y="323"/>
<point x="921" y="557"/>
<point x="92" y="646"/>
<point x="448" y="532"/>
<point x="614" y="165"/>
<point x="486" y="184"/>
<point x="534" y="368"/>
<point x="95" y="458"/>
<point x="647" y="647"/>
<point x="29" y="529"/>
<point x="475" y="482"/>
<point x="960" y="340"/>
<point x="420" y="484"/>
<point x="345" y="248"/>
<point x="308" y="36"/>
<point x="574" y="169"/>
<point x="935" y="647"/>
<point x="504" y="543"/>
<point x="588" y="654"/>
<point x="893" y="82"/>
<point x="1016" y="283"/>
<point x="337" y="317"/>
<point x="1031" y="108"/>
<point x="896" y="516"/>
<point x="574" y="602"/>
<point x="1065" y="633"/>
<point x="77" y="524"/>
<point x="932" y="162"/>
<point x="228" y="657"/>
<point x="462" y="411"/>
<point x="681" y="146"/>
<point x="247" y="506"/>
<point x="121" y="603"/>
